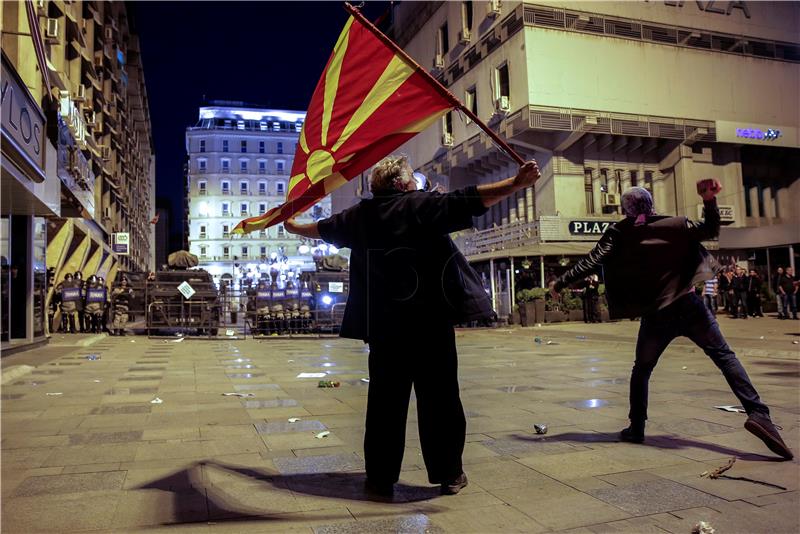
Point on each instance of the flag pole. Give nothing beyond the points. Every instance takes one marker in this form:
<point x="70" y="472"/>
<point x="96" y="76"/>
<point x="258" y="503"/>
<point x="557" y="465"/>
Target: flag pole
<point x="501" y="143"/>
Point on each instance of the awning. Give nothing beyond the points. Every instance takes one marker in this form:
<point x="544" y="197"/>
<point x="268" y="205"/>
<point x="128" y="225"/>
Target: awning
<point x="574" y="248"/>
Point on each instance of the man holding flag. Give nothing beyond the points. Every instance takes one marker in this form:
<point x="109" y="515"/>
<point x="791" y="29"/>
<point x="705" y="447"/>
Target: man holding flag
<point x="406" y="273"/>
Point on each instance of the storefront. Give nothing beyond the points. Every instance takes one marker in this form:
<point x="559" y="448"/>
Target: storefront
<point x="30" y="192"/>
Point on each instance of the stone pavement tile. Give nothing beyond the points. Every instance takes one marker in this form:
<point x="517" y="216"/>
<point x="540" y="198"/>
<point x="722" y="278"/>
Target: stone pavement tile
<point x="417" y="523"/>
<point x="126" y="421"/>
<point x="172" y="449"/>
<point x="139" y="508"/>
<point x="560" y="508"/>
<point x="92" y="468"/>
<point x="256" y="387"/>
<point x="329" y="451"/>
<point x="326" y="407"/>
<point x="19" y="441"/>
<point x="70" y="483"/>
<point x="92" y="454"/>
<point x="176" y="476"/>
<point x="278" y="414"/>
<point x="53" y="412"/>
<point x="11" y="477"/>
<point x="655" y="496"/>
<point x="319" y="464"/>
<point x="285" y="426"/>
<point x="170" y="433"/>
<point x="60" y="513"/>
<point x="739" y="517"/>
<point x="638" y="525"/>
<point x="105" y="437"/>
<point x="692" y="427"/>
<point x="234" y="445"/>
<point x="564" y="466"/>
<point x="50" y="426"/>
<point x="498" y="518"/>
<point x="162" y="420"/>
<point x="252" y="499"/>
<point x="24" y="458"/>
<point x="502" y="473"/>
<point x="270" y="403"/>
<point x="300" y="440"/>
<point x="775" y="498"/>
<point x="523" y="446"/>
<point x="227" y="431"/>
<point x="231" y="416"/>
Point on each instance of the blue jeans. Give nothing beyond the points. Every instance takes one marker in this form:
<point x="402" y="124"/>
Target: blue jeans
<point x="687" y="317"/>
<point x="789" y="302"/>
<point x="711" y="303"/>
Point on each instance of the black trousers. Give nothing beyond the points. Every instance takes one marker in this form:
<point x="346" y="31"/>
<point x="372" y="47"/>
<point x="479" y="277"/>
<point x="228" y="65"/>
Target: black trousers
<point x="427" y="361"/>
<point x="689" y="317"/>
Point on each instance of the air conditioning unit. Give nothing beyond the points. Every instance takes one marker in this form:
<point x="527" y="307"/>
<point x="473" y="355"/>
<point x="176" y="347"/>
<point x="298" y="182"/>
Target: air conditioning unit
<point x="91" y="118"/>
<point x="438" y="61"/>
<point x="107" y="213"/>
<point x="51" y="31"/>
<point x="502" y="104"/>
<point x="464" y="36"/>
<point x="105" y="152"/>
<point x="109" y="33"/>
<point x="80" y="93"/>
<point x="495" y="8"/>
<point x="610" y="199"/>
<point x="447" y="139"/>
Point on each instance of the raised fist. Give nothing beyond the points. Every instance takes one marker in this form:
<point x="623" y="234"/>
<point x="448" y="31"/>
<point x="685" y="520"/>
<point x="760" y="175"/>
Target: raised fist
<point x="708" y="188"/>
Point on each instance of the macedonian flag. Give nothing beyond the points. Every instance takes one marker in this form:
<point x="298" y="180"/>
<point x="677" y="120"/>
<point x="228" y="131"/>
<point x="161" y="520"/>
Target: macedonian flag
<point x="370" y="100"/>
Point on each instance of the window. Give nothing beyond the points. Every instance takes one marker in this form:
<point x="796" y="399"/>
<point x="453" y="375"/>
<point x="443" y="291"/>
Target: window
<point x="634" y="178"/>
<point x="447" y="123"/>
<point x="226" y="252"/>
<point x="618" y="185"/>
<point x="243" y="147"/>
<point x="243" y="208"/>
<point x="226" y="187"/>
<point x="226" y="165"/>
<point x="245" y="252"/>
<point x="466" y="15"/>
<point x="262" y="208"/>
<point x="202" y="145"/>
<point x="228" y="125"/>
<point x="202" y="231"/>
<point x="243" y="165"/>
<point x="201" y="165"/>
<point x="262" y="233"/>
<point x="501" y="82"/>
<point x="226" y="231"/>
<point x="587" y="189"/>
<point x="262" y="188"/>
<point x="648" y="180"/>
<point x="442" y="40"/>
<point x="244" y="187"/>
<point x="276" y="126"/>
<point x="262" y="148"/>
<point x="226" y="209"/>
<point x="240" y="125"/>
<point x="263" y="126"/>
<point x="279" y="187"/>
<point x="202" y="251"/>
<point x="262" y="166"/>
<point x="298" y="126"/>
<point x="202" y="188"/>
<point x="279" y="166"/>
<point x="281" y="232"/>
<point x="263" y="251"/>
<point x="224" y="145"/>
<point x="280" y="147"/>
<point x="471" y="101"/>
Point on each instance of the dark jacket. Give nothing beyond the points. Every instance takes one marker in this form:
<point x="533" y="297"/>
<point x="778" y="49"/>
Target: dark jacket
<point x="786" y="283"/>
<point x="405" y="271"/>
<point x="648" y="267"/>
<point x="740" y="283"/>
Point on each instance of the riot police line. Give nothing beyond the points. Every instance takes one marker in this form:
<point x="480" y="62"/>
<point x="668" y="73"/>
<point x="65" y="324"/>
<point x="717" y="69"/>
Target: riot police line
<point x="86" y="306"/>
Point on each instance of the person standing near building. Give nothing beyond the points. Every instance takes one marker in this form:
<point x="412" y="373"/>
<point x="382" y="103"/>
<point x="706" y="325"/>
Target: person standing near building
<point x="591" y="300"/>
<point x="95" y="303"/>
<point x="120" y="301"/>
<point x="787" y="289"/>
<point x="722" y="290"/>
<point x="662" y="257"/>
<point x="710" y="295"/>
<point x="740" y="284"/>
<point x="782" y="312"/>
<point x="81" y="283"/>
<point x="754" y="287"/>
<point x="70" y="294"/>
<point x="405" y="270"/>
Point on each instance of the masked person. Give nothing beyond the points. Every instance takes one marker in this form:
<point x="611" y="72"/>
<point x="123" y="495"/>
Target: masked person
<point x="662" y="258"/>
<point x="95" y="304"/>
<point x="70" y="295"/>
<point x="104" y="320"/>
<point x="81" y="284"/>
<point x="120" y="301"/>
<point x="404" y="270"/>
<point x="262" y="298"/>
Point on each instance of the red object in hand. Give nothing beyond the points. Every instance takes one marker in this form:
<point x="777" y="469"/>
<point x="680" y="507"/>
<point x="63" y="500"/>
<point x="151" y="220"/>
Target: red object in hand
<point x="709" y="188"/>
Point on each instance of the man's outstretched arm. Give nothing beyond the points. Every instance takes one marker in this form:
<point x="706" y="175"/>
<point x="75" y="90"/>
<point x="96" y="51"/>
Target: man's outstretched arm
<point x="493" y="193"/>
<point x="308" y="230"/>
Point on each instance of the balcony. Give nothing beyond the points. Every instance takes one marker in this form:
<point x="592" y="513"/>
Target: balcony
<point x="262" y="170"/>
<point x="202" y="192"/>
<point x="226" y="191"/>
<point x="226" y="170"/>
<point x="262" y="192"/>
<point x="226" y="213"/>
<point x="202" y="235"/>
<point x="226" y="235"/>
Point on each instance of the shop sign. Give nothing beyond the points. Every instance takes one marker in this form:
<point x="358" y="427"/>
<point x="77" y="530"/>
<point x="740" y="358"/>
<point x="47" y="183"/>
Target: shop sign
<point x="120" y="243"/>
<point x="336" y="287"/>
<point x="757" y="134"/>
<point x="22" y="125"/>
<point x="588" y="227"/>
<point x="726" y="214"/>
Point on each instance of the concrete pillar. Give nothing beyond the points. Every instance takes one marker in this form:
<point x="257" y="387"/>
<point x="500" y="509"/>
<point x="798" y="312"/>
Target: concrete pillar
<point x="769" y="203"/>
<point x="541" y="270"/>
<point x="597" y="195"/>
<point x="511" y="284"/>
<point x="521" y="212"/>
<point x="512" y="209"/>
<point x="752" y="192"/>
<point x="529" y="204"/>
<point x="492" y="293"/>
<point x="626" y="180"/>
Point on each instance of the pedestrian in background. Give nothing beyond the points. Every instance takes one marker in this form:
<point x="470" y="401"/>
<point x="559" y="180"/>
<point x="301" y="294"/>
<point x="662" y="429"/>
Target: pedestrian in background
<point x="120" y="301"/>
<point x="405" y="271"/>
<point x="662" y="258"/>
<point x="788" y="293"/>
<point x="710" y="295"/>
<point x="754" y="287"/>
<point x="740" y="285"/>
<point x="782" y="312"/>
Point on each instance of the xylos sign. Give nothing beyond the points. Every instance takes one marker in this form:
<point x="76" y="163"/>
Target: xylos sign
<point x="588" y="227"/>
<point x="120" y="243"/>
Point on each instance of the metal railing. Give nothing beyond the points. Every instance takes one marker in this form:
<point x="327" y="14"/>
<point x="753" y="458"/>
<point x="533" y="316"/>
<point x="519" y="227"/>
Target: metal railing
<point x="503" y="237"/>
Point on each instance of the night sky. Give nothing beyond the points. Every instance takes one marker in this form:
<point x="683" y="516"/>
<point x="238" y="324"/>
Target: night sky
<point x="268" y="53"/>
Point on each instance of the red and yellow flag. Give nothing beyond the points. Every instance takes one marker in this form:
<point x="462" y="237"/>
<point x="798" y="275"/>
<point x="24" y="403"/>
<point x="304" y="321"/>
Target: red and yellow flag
<point x="369" y="101"/>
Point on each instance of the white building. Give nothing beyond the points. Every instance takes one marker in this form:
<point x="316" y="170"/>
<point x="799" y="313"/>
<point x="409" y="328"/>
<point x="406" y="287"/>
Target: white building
<point x="239" y="159"/>
<point x="606" y="95"/>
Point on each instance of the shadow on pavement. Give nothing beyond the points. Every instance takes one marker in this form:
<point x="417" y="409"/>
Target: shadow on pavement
<point x="191" y="491"/>
<point x="660" y="441"/>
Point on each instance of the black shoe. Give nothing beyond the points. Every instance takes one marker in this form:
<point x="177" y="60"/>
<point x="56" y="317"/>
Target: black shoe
<point x="451" y="488"/>
<point x="632" y="434"/>
<point x="382" y="489"/>
<point x="761" y="426"/>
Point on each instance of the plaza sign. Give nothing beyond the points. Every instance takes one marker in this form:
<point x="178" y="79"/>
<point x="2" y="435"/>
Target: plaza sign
<point x="588" y="227"/>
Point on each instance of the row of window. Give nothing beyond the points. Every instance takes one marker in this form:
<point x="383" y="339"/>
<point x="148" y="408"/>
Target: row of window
<point x="226" y="209"/>
<point x="244" y="188"/>
<point x="610" y="184"/>
<point x="244" y="252"/>
<point x="278" y="232"/>
<point x="251" y="125"/>
<point x="243" y="146"/>
<point x="501" y="88"/>
<point x="244" y="166"/>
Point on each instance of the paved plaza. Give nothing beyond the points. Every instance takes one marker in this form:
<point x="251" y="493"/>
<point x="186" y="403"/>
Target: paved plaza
<point x="87" y="446"/>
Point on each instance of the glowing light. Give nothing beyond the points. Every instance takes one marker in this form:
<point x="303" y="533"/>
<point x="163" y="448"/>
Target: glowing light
<point x="332" y="249"/>
<point x="303" y="249"/>
<point x="273" y="255"/>
<point x="323" y="247"/>
<point x="326" y="300"/>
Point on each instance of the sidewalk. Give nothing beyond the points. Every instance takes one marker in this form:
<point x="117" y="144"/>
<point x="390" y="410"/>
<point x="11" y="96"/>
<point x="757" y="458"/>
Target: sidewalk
<point x="100" y="456"/>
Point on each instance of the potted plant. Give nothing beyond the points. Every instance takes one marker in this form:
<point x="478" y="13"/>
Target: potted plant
<point x="554" y="311"/>
<point x="572" y="304"/>
<point x="531" y="305"/>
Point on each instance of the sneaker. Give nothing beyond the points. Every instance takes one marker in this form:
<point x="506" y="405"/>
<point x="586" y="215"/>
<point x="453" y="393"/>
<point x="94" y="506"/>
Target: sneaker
<point x="382" y="489"/>
<point x="761" y="426"/>
<point x="632" y="434"/>
<point x="451" y="488"/>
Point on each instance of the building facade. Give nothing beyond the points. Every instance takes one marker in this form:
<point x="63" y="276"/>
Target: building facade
<point x="239" y="160"/>
<point x="607" y="95"/>
<point x="79" y="169"/>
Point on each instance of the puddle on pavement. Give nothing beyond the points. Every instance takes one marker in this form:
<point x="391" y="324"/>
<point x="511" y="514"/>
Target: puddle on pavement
<point x="244" y="375"/>
<point x="606" y="382"/>
<point x="518" y="389"/>
<point x="246" y="366"/>
<point x="588" y="403"/>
